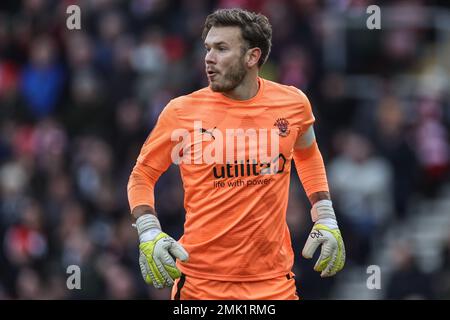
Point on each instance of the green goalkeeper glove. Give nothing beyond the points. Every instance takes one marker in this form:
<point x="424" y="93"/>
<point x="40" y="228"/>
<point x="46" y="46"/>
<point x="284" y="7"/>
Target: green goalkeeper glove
<point x="157" y="253"/>
<point x="325" y="232"/>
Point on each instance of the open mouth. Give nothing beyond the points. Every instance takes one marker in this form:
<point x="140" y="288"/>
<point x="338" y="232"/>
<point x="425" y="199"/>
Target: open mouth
<point x="211" y="73"/>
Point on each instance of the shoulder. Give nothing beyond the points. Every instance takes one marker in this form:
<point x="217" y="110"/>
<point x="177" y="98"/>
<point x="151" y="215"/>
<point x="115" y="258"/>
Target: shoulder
<point x="190" y="103"/>
<point x="289" y="92"/>
<point x="186" y="100"/>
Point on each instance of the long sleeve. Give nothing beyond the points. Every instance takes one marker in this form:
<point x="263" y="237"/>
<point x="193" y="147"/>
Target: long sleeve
<point x="154" y="159"/>
<point x="311" y="169"/>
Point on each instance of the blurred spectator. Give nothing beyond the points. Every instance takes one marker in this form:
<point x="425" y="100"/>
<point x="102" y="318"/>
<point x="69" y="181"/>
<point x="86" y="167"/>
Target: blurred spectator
<point x="26" y="242"/>
<point x="42" y="79"/>
<point x="407" y="281"/>
<point x="393" y="141"/>
<point x="28" y="284"/>
<point x="110" y="26"/>
<point x="361" y="185"/>
<point x="150" y="62"/>
<point x="441" y="281"/>
<point x="432" y="144"/>
<point x="120" y="283"/>
<point x="296" y="67"/>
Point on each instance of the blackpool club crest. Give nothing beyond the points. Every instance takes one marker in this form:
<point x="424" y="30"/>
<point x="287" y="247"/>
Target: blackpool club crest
<point x="283" y="127"/>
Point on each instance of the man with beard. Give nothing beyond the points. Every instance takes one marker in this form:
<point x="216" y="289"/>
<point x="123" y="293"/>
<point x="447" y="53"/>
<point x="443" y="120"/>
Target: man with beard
<point x="236" y="242"/>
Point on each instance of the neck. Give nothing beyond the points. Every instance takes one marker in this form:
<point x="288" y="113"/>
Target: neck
<point x="247" y="89"/>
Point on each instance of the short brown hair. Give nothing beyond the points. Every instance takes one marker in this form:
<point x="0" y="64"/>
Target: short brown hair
<point x="255" y="28"/>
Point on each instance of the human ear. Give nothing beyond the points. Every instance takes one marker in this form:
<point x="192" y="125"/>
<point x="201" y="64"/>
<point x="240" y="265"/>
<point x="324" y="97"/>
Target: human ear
<point x="252" y="56"/>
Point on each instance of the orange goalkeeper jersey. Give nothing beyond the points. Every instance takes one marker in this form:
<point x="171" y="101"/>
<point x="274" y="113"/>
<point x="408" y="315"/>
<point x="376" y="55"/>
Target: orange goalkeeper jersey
<point x="235" y="162"/>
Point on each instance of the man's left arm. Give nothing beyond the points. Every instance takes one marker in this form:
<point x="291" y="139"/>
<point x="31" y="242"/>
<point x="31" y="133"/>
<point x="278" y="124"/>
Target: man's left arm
<point x="325" y="232"/>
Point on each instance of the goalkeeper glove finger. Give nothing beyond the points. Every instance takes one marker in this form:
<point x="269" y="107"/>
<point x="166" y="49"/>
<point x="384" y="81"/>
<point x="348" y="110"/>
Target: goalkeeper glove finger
<point x="326" y="233"/>
<point x="158" y="252"/>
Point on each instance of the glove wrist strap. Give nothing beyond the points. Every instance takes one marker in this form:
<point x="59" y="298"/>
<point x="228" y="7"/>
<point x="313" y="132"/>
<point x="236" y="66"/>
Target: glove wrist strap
<point x="147" y="222"/>
<point x="322" y="209"/>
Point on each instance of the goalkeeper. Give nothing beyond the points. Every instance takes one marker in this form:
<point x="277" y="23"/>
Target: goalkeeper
<point x="236" y="242"/>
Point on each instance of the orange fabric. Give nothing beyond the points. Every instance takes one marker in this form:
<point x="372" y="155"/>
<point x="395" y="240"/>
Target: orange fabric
<point x="235" y="227"/>
<point x="311" y="170"/>
<point x="279" y="288"/>
<point x="141" y="185"/>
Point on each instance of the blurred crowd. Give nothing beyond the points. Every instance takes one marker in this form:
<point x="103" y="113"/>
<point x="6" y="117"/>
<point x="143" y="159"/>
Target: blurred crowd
<point x="77" y="105"/>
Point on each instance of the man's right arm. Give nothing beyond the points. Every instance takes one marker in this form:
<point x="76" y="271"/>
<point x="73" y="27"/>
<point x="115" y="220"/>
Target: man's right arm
<point x="153" y="160"/>
<point x="157" y="250"/>
<point x="140" y="188"/>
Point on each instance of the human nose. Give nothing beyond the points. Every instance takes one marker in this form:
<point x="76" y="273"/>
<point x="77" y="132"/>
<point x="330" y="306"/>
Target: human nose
<point x="210" y="57"/>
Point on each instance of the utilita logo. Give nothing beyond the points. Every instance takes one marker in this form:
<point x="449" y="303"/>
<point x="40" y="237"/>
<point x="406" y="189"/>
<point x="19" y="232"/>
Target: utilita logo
<point x="248" y="168"/>
<point x="232" y="148"/>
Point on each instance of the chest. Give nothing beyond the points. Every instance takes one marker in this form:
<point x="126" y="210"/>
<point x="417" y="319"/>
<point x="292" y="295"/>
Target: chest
<point x="234" y="135"/>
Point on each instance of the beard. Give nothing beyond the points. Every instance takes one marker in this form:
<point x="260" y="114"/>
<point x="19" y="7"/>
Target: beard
<point x="230" y="79"/>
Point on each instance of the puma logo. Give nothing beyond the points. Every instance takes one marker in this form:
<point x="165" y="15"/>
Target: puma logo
<point x="210" y="132"/>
